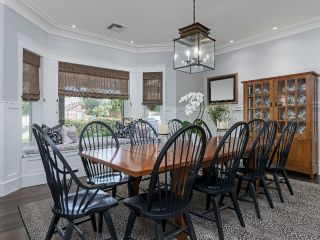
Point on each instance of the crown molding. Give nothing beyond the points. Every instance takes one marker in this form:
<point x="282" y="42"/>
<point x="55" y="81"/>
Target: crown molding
<point x="271" y="35"/>
<point x="30" y="11"/>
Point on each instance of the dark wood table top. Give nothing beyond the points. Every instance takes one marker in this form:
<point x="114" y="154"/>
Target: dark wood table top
<point x="138" y="161"/>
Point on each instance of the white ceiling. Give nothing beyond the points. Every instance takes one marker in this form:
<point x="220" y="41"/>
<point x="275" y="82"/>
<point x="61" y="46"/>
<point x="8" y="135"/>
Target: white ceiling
<point x="157" y="21"/>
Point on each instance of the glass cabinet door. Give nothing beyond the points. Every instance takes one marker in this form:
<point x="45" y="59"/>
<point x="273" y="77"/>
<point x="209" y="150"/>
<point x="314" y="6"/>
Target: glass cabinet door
<point x="290" y="103"/>
<point x="259" y="100"/>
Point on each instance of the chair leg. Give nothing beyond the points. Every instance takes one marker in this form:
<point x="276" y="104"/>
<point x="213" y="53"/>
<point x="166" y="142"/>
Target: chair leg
<point x="100" y="222"/>
<point x="93" y="222"/>
<point x="130" y="224"/>
<point x="114" y="192"/>
<point x="221" y="200"/>
<point x="68" y="232"/>
<point x="163" y="223"/>
<point x="276" y="181"/>
<point x="158" y="230"/>
<point x="237" y="208"/>
<point x="208" y="202"/>
<point x="188" y="221"/>
<point x="239" y="186"/>
<point x="285" y="175"/>
<point x="110" y="225"/>
<point x="254" y="198"/>
<point x="217" y="216"/>
<point x="266" y="191"/>
<point x="52" y="227"/>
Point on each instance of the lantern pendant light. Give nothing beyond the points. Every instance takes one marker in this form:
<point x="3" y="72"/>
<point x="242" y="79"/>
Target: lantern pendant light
<point x="194" y="50"/>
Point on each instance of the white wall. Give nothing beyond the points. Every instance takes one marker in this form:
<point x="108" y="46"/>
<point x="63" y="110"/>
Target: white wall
<point x="1" y="50"/>
<point x="185" y="84"/>
<point x="19" y="33"/>
<point x="294" y="54"/>
<point x="1" y="87"/>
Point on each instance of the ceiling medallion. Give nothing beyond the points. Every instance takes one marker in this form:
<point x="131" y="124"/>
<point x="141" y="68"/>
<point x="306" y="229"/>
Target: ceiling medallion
<point x="194" y="51"/>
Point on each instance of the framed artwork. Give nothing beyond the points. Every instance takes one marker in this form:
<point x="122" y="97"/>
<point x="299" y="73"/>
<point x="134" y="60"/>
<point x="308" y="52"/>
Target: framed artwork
<point x="223" y="89"/>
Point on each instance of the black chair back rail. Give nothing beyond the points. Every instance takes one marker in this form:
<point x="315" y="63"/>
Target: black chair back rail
<point x="202" y="124"/>
<point x="184" y="150"/>
<point x="227" y="156"/>
<point x="281" y="150"/>
<point x="60" y="176"/>
<point x="176" y="167"/>
<point x="256" y="165"/>
<point x="255" y="125"/>
<point x="142" y="132"/>
<point x="219" y="180"/>
<point x="174" y="125"/>
<point x="98" y="135"/>
<point x="261" y="148"/>
<point x="72" y="199"/>
<point x="279" y="157"/>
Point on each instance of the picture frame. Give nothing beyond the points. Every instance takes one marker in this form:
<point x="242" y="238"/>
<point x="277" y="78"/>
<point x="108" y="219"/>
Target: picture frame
<point x="223" y="89"/>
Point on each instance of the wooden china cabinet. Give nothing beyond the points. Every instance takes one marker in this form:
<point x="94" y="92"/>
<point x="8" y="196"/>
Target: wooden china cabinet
<point x="284" y="99"/>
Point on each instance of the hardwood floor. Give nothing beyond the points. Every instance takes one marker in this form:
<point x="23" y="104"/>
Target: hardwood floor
<point x="11" y="224"/>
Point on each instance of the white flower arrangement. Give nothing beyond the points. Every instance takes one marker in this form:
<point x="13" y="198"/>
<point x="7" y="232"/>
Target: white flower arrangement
<point x="194" y="101"/>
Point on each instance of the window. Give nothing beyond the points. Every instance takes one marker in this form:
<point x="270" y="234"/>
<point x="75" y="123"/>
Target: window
<point x="30" y="91"/>
<point x="153" y="112"/>
<point x="78" y="111"/>
<point x="152" y="95"/>
<point x="26" y="122"/>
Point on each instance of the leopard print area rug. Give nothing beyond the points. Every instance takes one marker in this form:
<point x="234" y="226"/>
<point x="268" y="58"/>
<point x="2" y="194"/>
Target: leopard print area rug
<point x="297" y="218"/>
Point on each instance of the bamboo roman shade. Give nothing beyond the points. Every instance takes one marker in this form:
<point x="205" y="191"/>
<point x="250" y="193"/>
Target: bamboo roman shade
<point x="31" y="65"/>
<point x="93" y="82"/>
<point x="152" y="88"/>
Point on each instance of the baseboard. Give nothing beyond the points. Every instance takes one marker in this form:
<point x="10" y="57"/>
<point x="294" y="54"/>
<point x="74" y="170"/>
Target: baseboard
<point x="31" y="179"/>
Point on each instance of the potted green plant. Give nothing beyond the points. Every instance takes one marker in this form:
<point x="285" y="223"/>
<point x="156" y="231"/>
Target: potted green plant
<point x="219" y="112"/>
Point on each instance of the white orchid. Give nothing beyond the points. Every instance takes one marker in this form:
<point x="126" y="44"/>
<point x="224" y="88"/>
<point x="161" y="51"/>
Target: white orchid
<point x="194" y="100"/>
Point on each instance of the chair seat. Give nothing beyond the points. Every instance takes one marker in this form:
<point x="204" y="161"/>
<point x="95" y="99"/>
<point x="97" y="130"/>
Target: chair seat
<point x="212" y="187"/>
<point x="139" y="205"/>
<point x="247" y="174"/>
<point x="110" y="179"/>
<point x="101" y="202"/>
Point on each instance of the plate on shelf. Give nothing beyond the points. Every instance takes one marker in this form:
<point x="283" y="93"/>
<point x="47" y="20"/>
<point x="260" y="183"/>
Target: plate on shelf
<point x="257" y="90"/>
<point x="258" y="101"/>
<point x="303" y="87"/>
<point x="301" y="128"/>
<point x="265" y="90"/>
<point x="302" y="115"/>
<point x="283" y="116"/>
<point x="291" y="88"/>
<point x="290" y="100"/>
<point x="302" y="100"/>
<point x="267" y="116"/>
<point x="266" y="102"/>
<point x="259" y="114"/>
<point x="291" y="115"/>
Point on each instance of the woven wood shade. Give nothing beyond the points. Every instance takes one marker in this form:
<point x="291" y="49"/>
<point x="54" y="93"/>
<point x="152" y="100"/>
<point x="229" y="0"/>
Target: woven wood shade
<point x="31" y="88"/>
<point x="152" y="88"/>
<point x="85" y="81"/>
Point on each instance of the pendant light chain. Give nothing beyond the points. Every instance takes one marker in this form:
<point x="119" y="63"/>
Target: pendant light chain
<point x="194" y="11"/>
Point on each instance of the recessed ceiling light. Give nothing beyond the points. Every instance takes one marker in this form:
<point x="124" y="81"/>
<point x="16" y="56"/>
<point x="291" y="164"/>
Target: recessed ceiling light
<point x="231" y="41"/>
<point x="73" y="26"/>
<point x="132" y="42"/>
<point x="274" y="28"/>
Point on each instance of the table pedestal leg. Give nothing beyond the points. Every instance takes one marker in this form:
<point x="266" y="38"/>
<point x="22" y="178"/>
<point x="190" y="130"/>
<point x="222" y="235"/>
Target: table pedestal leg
<point x="133" y="186"/>
<point x="179" y="220"/>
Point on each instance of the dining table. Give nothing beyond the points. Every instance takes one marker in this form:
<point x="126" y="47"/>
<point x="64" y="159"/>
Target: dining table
<point x="138" y="161"/>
